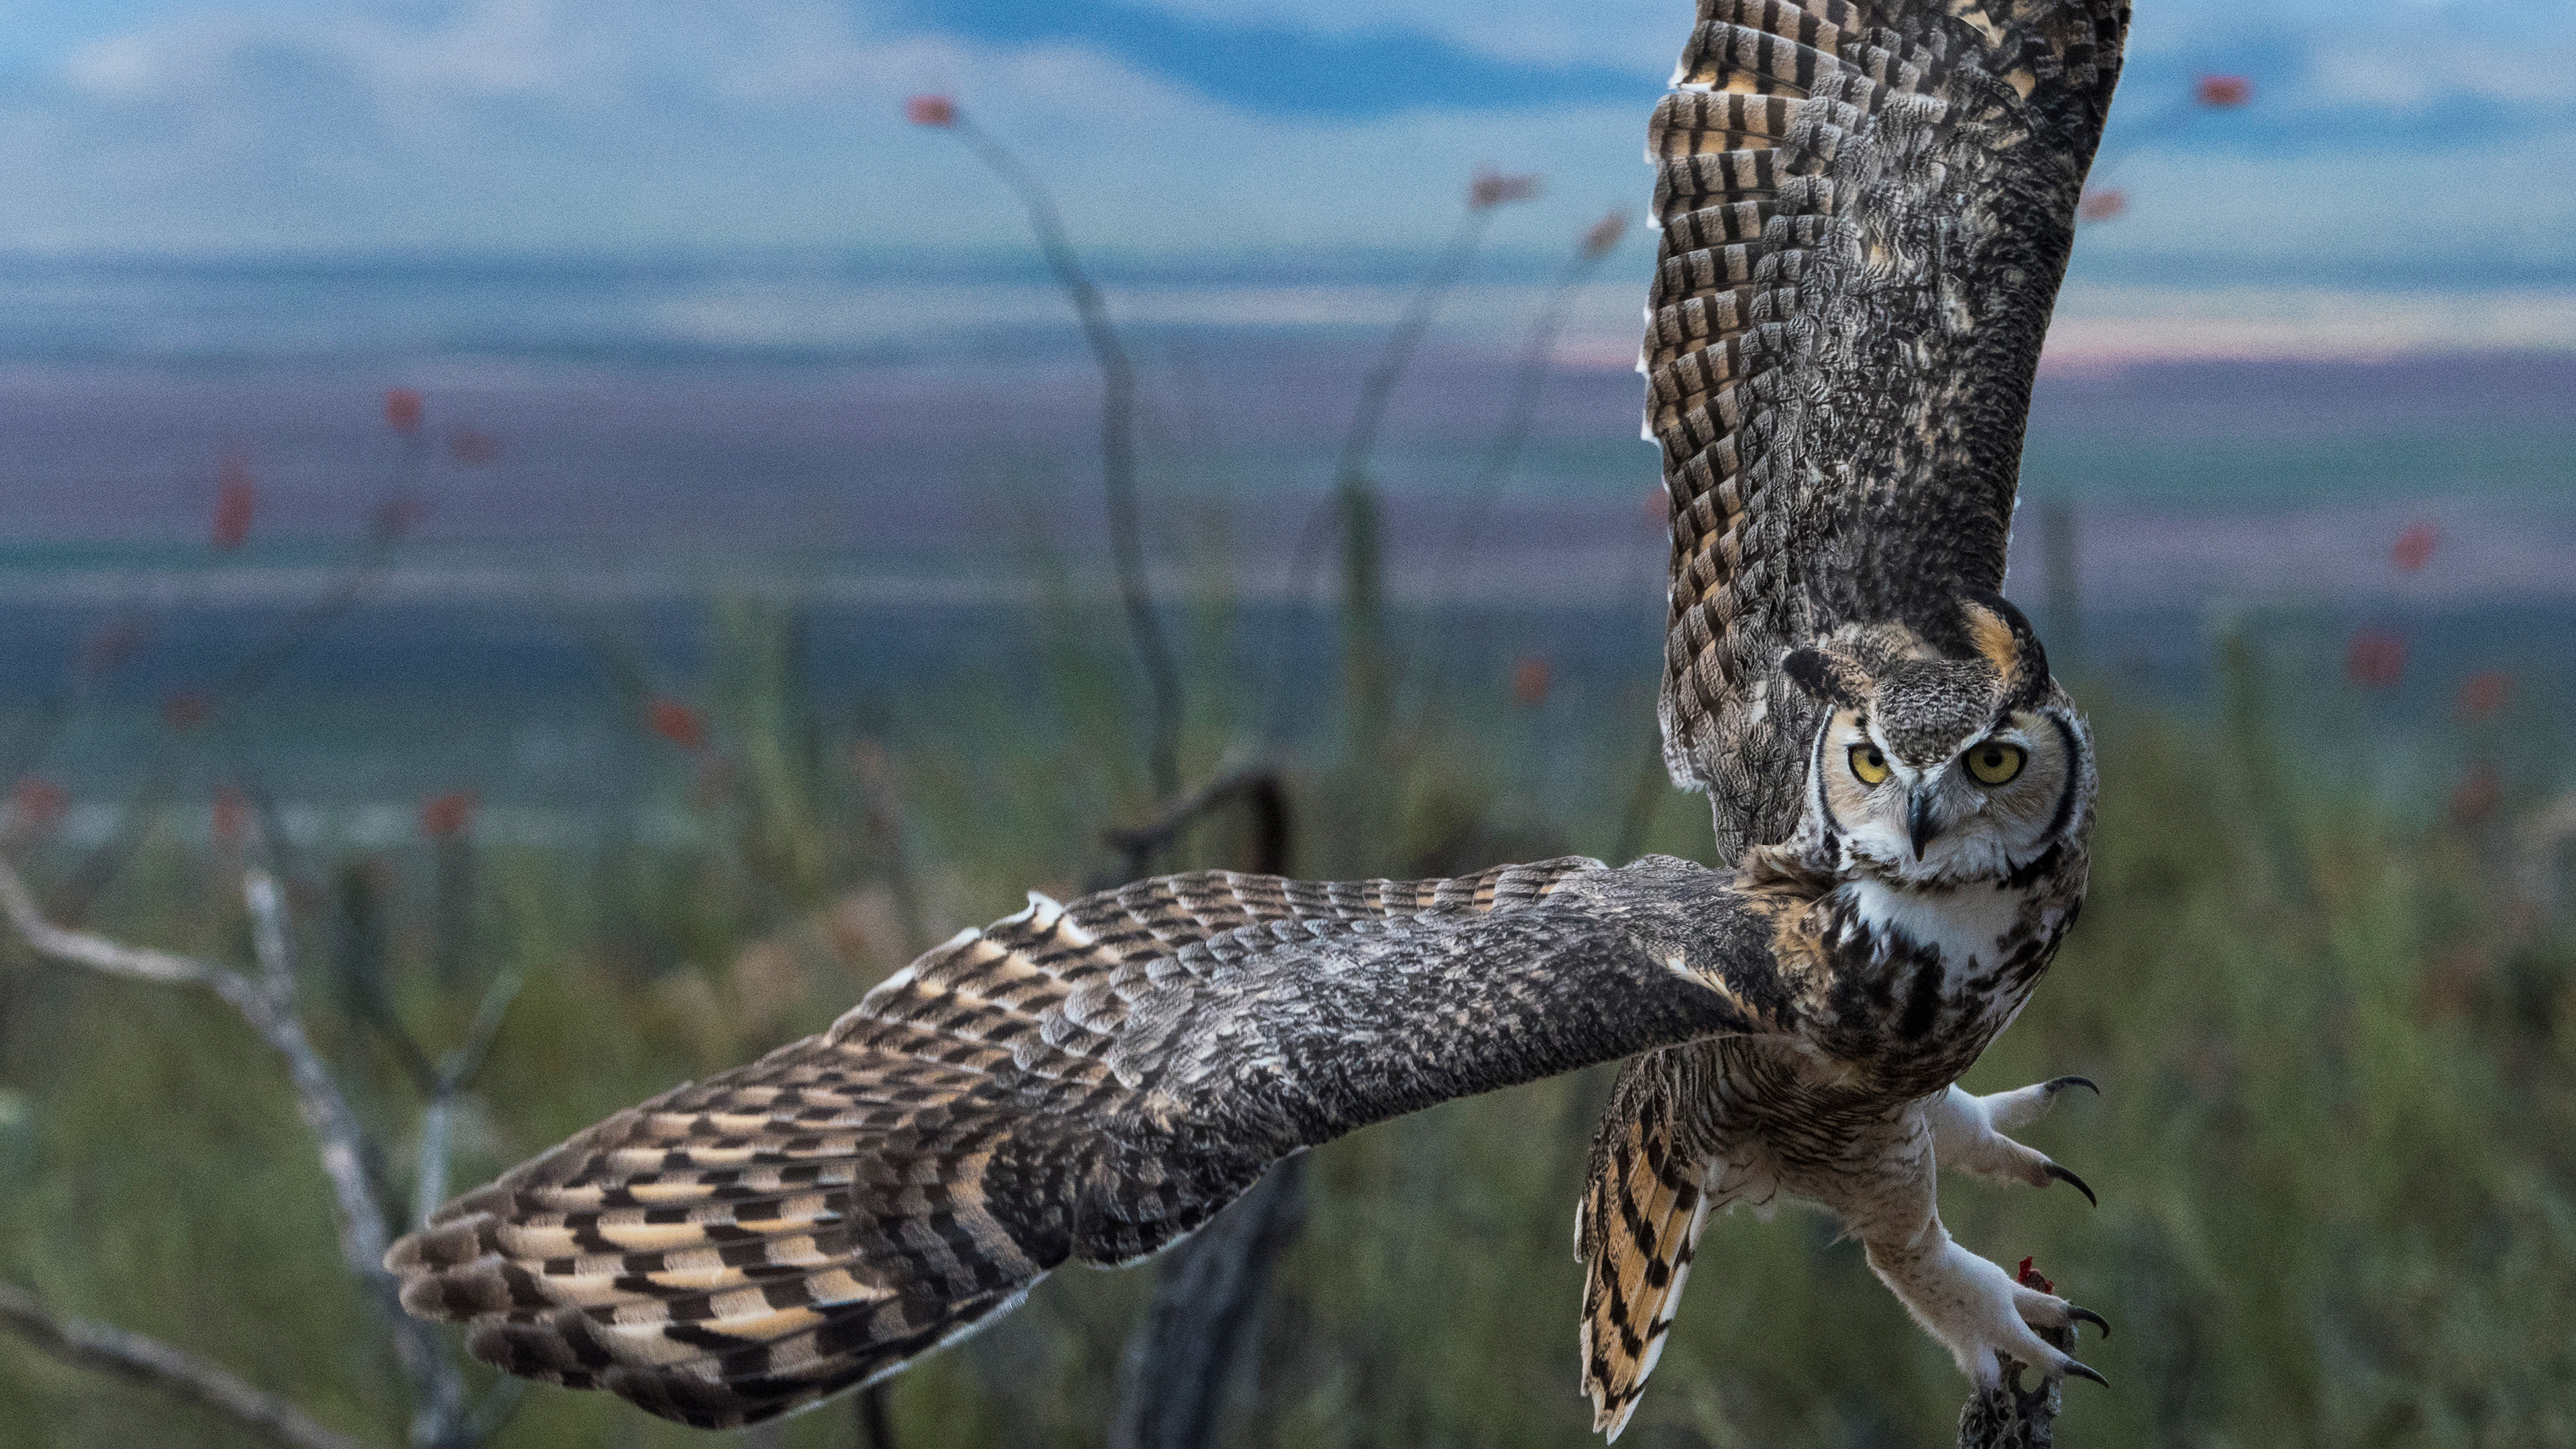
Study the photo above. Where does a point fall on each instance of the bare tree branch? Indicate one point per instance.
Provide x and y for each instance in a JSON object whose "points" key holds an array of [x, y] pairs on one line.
{"points": [[455, 1071], [2008, 1416], [1264, 798], [157, 1365], [1205, 1311], [268, 1005], [79, 948]]}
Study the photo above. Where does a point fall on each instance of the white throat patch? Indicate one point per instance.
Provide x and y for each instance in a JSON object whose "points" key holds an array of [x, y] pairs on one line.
{"points": [[1963, 922]]}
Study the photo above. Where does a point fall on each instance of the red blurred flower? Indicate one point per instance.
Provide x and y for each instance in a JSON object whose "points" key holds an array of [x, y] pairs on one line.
{"points": [[444, 817], [2482, 694], [39, 802], [231, 820], [930, 111], [235, 501], [2102, 204], [1604, 236], [1657, 505], [402, 409], [2375, 659], [1493, 188], [1531, 677], [677, 723], [2028, 1277], [186, 709], [2477, 795], [2223, 92], [2414, 548], [473, 449]]}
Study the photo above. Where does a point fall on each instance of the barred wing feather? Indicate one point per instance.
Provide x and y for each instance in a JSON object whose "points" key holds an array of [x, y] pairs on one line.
{"points": [[1087, 1082], [1866, 209]]}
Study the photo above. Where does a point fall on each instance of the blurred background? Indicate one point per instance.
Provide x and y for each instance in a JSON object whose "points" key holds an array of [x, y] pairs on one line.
{"points": [[607, 503]]}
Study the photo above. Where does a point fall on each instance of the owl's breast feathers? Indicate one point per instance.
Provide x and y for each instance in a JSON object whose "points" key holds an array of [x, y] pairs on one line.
{"points": [[1901, 987], [1913, 984]]}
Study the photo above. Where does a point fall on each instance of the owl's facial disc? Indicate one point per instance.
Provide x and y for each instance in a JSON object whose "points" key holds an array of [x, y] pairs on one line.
{"points": [[1978, 810]]}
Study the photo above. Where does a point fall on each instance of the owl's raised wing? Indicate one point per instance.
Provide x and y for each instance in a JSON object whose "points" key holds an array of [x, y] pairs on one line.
{"points": [[1866, 209], [1087, 1081]]}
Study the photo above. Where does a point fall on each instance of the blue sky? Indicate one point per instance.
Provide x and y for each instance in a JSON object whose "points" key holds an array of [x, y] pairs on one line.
{"points": [[2395, 146]]}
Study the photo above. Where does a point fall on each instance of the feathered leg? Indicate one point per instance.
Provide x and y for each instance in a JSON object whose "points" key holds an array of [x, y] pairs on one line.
{"points": [[1973, 1306]]}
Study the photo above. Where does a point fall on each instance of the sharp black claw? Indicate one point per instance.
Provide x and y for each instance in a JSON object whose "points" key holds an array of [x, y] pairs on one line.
{"points": [[2087, 1315], [2081, 1372], [2062, 1083], [2071, 1180]]}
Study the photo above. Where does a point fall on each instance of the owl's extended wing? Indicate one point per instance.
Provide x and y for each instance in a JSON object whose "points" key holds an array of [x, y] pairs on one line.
{"points": [[1866, 210], [1087, 1081]]}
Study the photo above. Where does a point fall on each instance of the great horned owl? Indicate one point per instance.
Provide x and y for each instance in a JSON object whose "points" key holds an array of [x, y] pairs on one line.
{"points": [[1939, 858], [1866, 209]]}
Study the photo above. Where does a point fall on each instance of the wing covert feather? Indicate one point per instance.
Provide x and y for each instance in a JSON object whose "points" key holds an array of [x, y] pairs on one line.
{"points": [[1087, 1081], [1866, 208]]}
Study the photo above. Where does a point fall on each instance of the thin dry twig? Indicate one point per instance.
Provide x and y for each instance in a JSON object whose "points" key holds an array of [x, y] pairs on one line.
{"points": [[1265, 800], [267, 1003], [1377, 386], [157, 1365], [363, 1235], [1355, 495], [455, 1072], [1117, 438]]}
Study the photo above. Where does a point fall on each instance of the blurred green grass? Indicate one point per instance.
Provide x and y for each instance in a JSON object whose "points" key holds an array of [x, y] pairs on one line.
{"points": [[2334, 1149]]}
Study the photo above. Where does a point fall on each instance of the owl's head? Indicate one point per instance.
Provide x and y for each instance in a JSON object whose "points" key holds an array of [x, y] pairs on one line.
{"points": [[1945, 770]]}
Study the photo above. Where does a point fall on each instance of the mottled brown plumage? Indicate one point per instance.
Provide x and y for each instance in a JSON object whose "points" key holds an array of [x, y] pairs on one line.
{"points": [[1084, 1082], [1866, 210]]}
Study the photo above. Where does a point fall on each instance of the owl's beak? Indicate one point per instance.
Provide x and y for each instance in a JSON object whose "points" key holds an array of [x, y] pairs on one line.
{"points": [[1919, 826]]}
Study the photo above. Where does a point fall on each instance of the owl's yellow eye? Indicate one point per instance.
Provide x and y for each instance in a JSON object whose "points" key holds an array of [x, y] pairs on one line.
{"points": [[1995, 763], [1868, 765]]}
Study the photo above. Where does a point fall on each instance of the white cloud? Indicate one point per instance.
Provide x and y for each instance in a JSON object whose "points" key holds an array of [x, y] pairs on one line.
{"points": [[657, 125], [653, 124], [2114, 326]]}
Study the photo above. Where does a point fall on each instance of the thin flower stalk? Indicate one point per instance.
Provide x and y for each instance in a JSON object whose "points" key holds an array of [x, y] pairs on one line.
{"points": [[1529, 381], [1366, 668], [1117, 425]]}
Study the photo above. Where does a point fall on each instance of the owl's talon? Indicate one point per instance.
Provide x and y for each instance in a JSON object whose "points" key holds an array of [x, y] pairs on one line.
{"points": [[1986, 1317], [2078, 1370], [2060, 1084], [2071, 1180], [1968, 1135]]}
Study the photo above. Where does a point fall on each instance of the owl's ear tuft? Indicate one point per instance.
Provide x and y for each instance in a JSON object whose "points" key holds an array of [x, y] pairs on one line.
{"points": [[1827, 678], [2002, 633]]}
